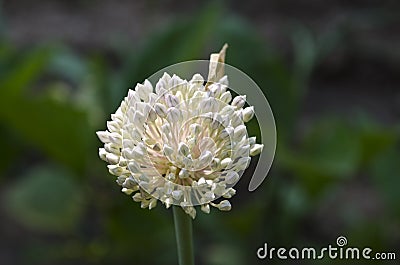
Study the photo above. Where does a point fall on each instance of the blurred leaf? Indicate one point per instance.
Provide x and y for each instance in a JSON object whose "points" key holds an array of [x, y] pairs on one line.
{"points": [[94, 93], [57, 129], [11, 146], [334, 148], [65, 63], [385, 174], [7, 53], [2, 26], [330, 150], [52, 126], [23, 72], [46, 199], [376, 138]]}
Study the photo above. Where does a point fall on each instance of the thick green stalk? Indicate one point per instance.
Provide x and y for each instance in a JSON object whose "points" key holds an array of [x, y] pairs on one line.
{"points": [[184, 236]]}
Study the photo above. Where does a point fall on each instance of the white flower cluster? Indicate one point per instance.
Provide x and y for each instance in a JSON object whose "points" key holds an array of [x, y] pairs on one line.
{"points": [[183, 143]]}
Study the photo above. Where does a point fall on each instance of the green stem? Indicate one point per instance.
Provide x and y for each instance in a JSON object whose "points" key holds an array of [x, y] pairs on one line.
{"points": [[184, 236]]}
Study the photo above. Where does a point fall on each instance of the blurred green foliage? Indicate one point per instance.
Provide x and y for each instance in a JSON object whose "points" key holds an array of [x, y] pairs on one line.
{"points": [[52, 100], [42, 200]]}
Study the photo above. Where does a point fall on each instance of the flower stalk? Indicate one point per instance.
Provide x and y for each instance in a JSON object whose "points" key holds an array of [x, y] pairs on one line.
{"points": [[184, 236]]}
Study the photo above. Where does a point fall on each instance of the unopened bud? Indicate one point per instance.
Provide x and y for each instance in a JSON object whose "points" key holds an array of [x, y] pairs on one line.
{"points": [[224, 205], [256, 149], [231, 177], [174, 115], [171, 100], [248, 113], [205, 208], [239, 101], [161, 110], [239, 132], [103, 136]]}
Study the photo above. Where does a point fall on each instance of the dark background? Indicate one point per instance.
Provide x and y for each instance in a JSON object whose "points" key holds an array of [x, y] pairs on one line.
{"points": [[331, 73]]}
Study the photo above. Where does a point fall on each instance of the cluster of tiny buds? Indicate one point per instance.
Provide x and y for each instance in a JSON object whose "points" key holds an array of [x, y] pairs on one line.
{"points": [[182, 143]]}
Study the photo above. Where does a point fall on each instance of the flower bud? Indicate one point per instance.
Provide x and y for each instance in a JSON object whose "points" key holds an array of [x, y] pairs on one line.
{"points": [[115, 138], [256, 149], [226, 97], [236, 119], [227, 132], [248, 113], [177, 194], [252, 140], [183, 174], [137, 197], [195, 129], [145, 204], [132, 96], [239, 132], [174, 115], [197, 78], [229, 193], [127, 191], [168, 202], [224, 205], [168, 151], [215, 164], [134, 167], [242, 151], [152, 115], [208, 196], [103, 136], [113, 126], [227, 110], [175, 81], [242, 164], [231, 177], [224, 81], [201, 181], [138, 118], [205, 208], [239, 101], [161, 110], [183, 149], [226, 162], [152, 203], [205, 158], [144, 90], [102, 153], [112, 158], [171, 100]]}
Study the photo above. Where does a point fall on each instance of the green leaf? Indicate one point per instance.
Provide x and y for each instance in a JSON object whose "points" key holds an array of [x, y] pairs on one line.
{"points": [[330, 151], [46, 199], [56, 128], [23, 72], [334, 147], [11, 146], [385, 175], [376, 138], [66, 64]]}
